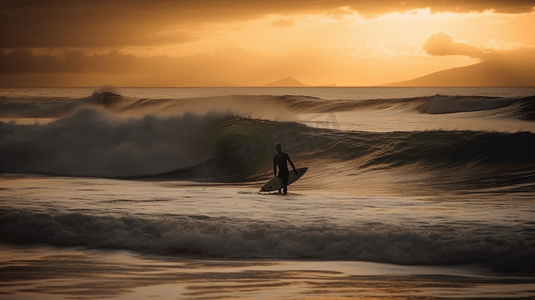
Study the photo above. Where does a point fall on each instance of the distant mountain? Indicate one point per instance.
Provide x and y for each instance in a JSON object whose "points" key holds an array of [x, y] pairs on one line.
{"points": [[286, 82], [512, 71]]}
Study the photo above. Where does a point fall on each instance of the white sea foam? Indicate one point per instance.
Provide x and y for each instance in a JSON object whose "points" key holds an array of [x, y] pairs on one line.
{"points": [[246, 239]]}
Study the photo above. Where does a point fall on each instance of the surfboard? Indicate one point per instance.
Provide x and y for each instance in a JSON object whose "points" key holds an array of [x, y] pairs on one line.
{"points": [[275, 183]]}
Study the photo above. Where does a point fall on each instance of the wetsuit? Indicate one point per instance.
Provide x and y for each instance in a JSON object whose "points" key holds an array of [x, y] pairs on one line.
{"points": [[281, 160]]}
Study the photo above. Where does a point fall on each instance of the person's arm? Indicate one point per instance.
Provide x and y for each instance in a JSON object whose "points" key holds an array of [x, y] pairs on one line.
{"points": [[292, 164], [274, 167]]}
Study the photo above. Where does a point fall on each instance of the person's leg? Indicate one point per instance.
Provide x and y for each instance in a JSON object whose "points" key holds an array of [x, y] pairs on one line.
{"points": [[281, 177], [285, 183]]}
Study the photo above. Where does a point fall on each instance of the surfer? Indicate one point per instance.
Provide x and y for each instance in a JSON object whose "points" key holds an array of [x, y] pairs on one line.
{"points": [[280, 160]]}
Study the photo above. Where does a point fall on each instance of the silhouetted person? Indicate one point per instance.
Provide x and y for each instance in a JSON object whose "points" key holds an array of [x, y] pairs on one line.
{"points": [[281, 160]]}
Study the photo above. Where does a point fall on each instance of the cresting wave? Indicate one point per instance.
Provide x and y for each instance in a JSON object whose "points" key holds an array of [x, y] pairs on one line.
{"points": [[92, 142], [46, 107], [266, 107], [108, 135], [498, 248]]}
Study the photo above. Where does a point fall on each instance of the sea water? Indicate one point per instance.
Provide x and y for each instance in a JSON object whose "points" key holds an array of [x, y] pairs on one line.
{"points": [[142, 192]]}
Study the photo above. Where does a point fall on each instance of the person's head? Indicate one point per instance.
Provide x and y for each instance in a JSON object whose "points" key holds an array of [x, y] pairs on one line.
{"points": [[278, 147]]}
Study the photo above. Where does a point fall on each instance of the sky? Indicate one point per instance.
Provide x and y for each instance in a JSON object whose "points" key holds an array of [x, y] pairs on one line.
{"points": [[253, 43]]}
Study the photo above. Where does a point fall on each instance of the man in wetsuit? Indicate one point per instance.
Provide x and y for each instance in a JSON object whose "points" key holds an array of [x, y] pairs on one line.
{"points": [[281, 160]]}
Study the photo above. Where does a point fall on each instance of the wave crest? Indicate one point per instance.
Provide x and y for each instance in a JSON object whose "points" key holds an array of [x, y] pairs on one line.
{"points": [[220, 238], [258, 106], [92, 142]]}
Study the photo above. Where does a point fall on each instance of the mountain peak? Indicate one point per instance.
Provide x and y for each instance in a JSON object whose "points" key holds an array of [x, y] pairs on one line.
{"points": [[510, 71], [286, 82]]}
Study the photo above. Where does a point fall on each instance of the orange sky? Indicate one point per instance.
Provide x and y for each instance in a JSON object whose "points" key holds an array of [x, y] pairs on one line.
{"points": [[208, 42]]}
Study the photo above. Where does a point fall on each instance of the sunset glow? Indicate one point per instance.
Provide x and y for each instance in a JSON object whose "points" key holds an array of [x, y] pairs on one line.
{"points": [[225, 43], [230, 149]]}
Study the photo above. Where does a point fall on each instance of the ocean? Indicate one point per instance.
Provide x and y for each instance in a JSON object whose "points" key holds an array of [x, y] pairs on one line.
{"points": [[135, 193]]}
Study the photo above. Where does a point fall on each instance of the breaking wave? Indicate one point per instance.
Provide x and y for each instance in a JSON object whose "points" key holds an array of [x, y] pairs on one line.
{"points": [[47, 107], [496, 247], [93, 142], [232, 138], [266, 107]]}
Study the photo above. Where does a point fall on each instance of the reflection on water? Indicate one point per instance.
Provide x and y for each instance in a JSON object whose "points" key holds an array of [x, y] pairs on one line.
{"points": [[66, 273]]}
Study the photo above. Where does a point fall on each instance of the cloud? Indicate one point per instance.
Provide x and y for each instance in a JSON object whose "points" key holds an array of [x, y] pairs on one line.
{"points": [[104, 23], [114, 62], [231, 65], [442, 44], [226, 65], [284, 23]]}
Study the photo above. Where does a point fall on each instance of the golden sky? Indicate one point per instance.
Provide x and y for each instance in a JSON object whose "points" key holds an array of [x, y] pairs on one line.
{"points": [[250, 43]]}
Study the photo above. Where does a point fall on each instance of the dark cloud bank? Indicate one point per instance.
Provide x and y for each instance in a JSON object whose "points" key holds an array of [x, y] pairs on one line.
{"points": [[24, 68], [99, 23]]}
